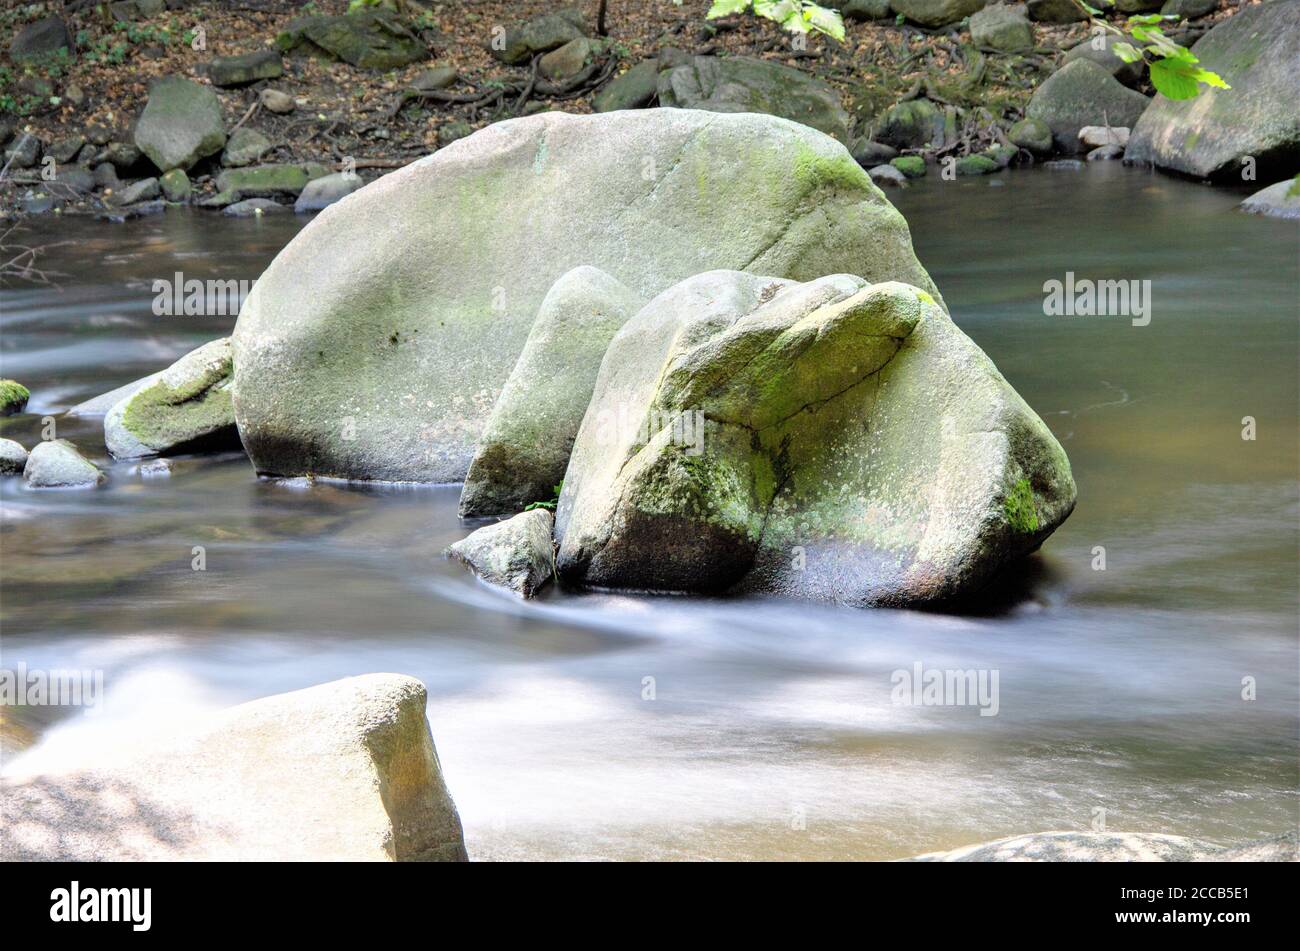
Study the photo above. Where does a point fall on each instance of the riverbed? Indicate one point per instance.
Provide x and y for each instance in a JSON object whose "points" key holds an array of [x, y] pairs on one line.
{"points": [[603, 726]]}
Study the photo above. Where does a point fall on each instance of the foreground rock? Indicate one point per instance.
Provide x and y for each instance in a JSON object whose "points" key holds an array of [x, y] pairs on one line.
{"points": [[1081, 94], [516, 554], [744, 84], [1256, 52], [1114, 847], [181, 124], [13, 457], [186, 408], [346, 771], [525, 447], [383, 358], [1277, 201], [833, 440], [58, 464]]}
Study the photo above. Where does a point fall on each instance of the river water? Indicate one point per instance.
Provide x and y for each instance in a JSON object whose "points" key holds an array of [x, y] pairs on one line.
{"points": [[607, 726]]}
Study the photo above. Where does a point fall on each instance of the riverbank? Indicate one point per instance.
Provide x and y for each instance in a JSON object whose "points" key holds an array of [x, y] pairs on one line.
{"points": [[287, 110]]}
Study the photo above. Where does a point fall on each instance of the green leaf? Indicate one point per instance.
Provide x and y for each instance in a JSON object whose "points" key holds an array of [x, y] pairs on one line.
{"points": [[725, 8], [1178, 79], [824, 21], [1126, 51]]}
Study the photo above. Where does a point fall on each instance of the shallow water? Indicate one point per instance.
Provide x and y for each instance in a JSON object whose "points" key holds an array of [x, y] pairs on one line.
{"points": [[772, 733]]}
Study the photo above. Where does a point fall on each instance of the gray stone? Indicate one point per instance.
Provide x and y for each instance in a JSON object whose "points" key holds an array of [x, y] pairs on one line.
{"points": [[181, 124], [411, 333], [1080, 94], [175, 185], [567, 61], [66, 149], [866, 10], [936, 12], [39, 39], [267, 181], [1105, 153], [121, 155], [744, 84], [277, 101], [1189, 9], [13, 457], [541, 34], [853, 425], [244, 147], [1095, 136], [1064, 165], [186, 408], [1055, 11], [1099, 48], [74, 178], [516, 554], [887, 176], [143, 190], [1002, 27], [869, 154], [57, 464], [453, 132], [369, 39], [23, 151], [1255, 51], [228, 71], [1277, 201], [439, 77], [322, 192], [1031, 134], [345, 771], [524, 449], [37, 201], [252, 207], [917, 124], [105, 176], [634, 89]]}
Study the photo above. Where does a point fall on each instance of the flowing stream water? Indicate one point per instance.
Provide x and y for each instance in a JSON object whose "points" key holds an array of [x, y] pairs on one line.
{"points": [[772, 732]]}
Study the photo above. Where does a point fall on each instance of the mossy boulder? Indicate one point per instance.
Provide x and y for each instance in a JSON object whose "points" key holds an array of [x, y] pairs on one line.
{"points": [[1002, 27], [525, 447], [39, 39], [175, 185], [245, 147], [1080, 94], [632, 90], [186, 409], [181, 123], [267, 181], [1255, 51], [917, 124], [248, 68], [976, 165], [369, 39], [377, 342], [913, 166], [745, 84], [834, 440], [936, 12], [516, 554], [521, 42], [58, 464], [13, 397], [1032, 134]]}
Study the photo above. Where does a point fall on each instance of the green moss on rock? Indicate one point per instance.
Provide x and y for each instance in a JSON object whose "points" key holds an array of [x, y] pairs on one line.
{"points": [[1019, 507], [13, 397]]}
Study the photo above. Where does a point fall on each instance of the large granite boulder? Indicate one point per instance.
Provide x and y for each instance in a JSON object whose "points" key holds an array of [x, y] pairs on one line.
{"points": [[186, 408], [1081, 94], [181, 124], [744, 84], [524, 449], [516, 554], [376, 344], [345, 771], [936, 12], [368, 38], [1256, 51], [835, 440]]}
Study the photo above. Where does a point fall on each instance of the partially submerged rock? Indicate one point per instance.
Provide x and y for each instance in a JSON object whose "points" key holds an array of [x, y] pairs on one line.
{"points": [[833, 440], [383, 358], [345, 771], [1033, 135], [320, 193], [1255, 51], [13, 457], [525, 446], [745, 84], [1277, 201], [13, 397], [516, 554], [181, 124], [188, 407], [58, 464], [1080, 94]]}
